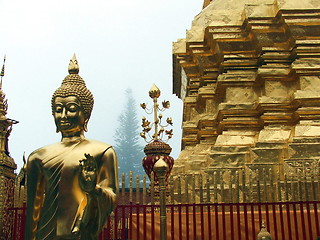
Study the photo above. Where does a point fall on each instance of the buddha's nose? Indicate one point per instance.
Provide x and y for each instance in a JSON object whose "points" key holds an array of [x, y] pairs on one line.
{"points": [[64, 113]]}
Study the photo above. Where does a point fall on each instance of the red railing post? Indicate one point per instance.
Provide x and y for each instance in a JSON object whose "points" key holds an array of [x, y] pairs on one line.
{"points": [[267, 215], [281, 221], [145, 222], [316, 218], [289, 221], [224, 222], [216, 212], [202, 221], [209, 222], [180, 222], [295, 221], [246, 229], [123, 221], [152, 222], [194, 221], [115, 227], [231, 221], [303, 226], [138, 221], [130, 221], [275, 225], [187, 221], [252, 221], [172, 222], [238, 221], [309, 220]]}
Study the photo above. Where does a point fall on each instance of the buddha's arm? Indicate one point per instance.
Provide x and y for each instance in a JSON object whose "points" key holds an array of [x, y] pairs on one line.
{"points": [[108, 183], [35, 186], [99, 179], [101, 190]]}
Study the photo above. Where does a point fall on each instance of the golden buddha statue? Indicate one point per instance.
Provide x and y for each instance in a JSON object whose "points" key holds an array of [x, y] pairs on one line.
{"points": [[71, 184]]}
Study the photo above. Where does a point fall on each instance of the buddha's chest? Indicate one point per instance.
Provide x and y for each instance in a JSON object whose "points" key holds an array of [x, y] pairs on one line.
{"points": [[62, 170]]}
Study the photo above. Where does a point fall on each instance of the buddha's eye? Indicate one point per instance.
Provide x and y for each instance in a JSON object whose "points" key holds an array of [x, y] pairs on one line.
{"points": [[72, 107], [58, 109]]}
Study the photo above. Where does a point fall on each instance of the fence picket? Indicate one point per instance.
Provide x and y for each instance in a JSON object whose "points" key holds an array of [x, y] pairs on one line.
{"points": [[278, 186], [306, 192], [144, 190], [200, 188], [215, 186], [137, 189], [186, 188], [272, 187], [265, 187], [152, 188], [171, 190], [193, 191], [123, 188], [293, 191], [300, 189], [208, 187], [222, 188], [130, 186], [313, 187], [230, 187], [258, 187], [250, 190], [237, 180], [179, 190], [244, 188]]}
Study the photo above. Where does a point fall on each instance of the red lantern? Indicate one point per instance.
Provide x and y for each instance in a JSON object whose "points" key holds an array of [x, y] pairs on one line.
{"points": [[155, 151]]}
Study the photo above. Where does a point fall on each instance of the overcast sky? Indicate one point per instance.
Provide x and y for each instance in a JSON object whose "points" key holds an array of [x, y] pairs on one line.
{"points": [[119, 44]]}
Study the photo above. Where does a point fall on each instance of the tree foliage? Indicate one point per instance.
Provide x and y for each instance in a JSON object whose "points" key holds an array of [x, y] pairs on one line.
{"points": [[127, 140]]}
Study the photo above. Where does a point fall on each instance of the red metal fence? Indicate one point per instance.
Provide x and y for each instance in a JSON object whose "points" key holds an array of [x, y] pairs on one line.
{"points": [[18, 222], [207, 221]]}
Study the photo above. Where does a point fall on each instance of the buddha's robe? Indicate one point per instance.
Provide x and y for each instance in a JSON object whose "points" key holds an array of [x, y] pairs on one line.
{"points": [[54, 194]]}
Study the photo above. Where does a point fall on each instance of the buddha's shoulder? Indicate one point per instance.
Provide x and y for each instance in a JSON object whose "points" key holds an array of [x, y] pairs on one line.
{"points": [[92, 142], [43, 150], [95, 144]]}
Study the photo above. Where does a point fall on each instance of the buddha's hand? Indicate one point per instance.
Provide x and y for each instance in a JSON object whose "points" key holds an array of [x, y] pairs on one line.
{"points": [[88, 173]]}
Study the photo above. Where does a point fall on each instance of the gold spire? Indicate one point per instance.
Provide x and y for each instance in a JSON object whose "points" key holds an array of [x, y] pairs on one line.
{"points": [[2, 71], [73, 65], [206, 3]]}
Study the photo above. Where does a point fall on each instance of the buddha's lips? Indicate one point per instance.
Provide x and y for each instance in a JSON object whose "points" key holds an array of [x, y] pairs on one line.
{"points": [[65, 123]]}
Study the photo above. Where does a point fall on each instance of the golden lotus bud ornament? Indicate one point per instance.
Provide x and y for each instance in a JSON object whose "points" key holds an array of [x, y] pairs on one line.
{"points": [[156, 148]]}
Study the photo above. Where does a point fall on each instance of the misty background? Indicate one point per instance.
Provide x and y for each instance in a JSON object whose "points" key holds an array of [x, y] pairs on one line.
{"points": [[118, 44]]}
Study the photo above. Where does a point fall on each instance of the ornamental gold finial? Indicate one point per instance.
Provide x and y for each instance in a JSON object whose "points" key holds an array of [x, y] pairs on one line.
{"points": [[264, 234], [73, 65], [2, 70], [154, 92], [159, 128]]}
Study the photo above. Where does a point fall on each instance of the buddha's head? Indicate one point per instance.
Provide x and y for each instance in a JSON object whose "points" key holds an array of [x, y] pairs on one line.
{"points": [[72, 103]]}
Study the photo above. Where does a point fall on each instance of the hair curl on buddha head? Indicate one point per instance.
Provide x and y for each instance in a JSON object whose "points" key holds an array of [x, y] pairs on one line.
{"points": [[74, 85]]}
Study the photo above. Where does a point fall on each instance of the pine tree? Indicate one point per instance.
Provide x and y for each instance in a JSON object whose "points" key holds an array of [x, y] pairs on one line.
{"points": [[127, 145]]}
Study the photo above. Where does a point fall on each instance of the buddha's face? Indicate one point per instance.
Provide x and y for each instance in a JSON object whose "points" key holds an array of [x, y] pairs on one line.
{"points": [[69, 115]]}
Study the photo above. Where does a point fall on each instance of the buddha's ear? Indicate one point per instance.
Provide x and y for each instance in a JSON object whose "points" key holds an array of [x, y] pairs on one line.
{"points": [[85, 125], [57, 129]]}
